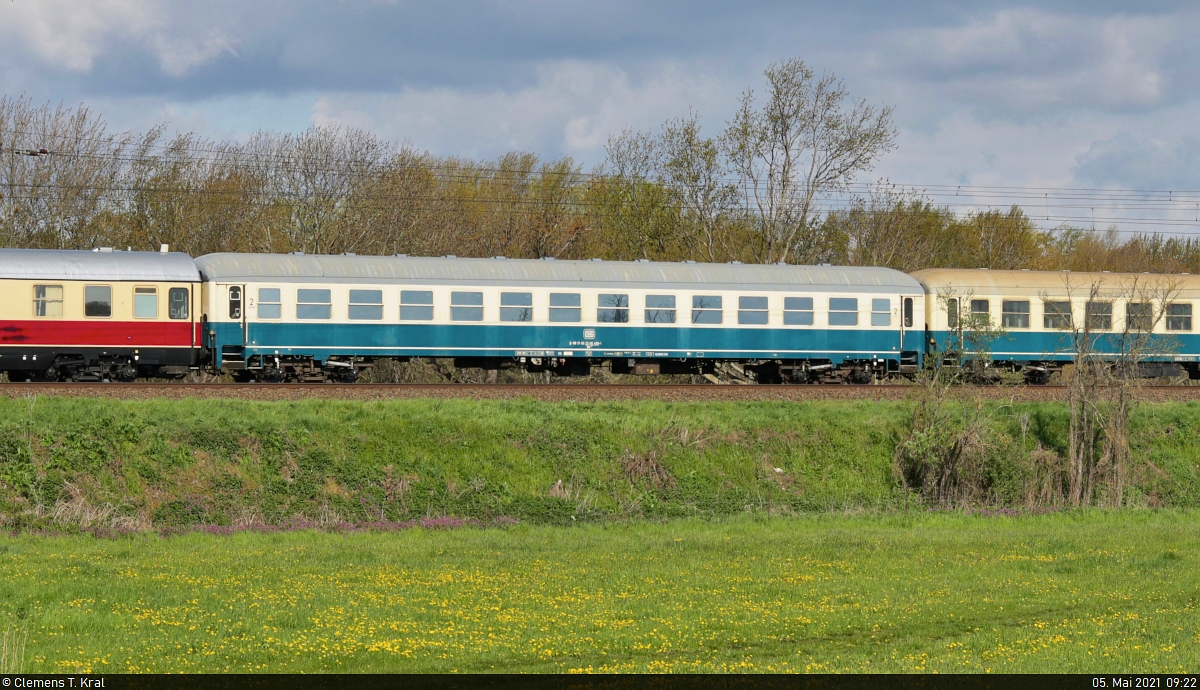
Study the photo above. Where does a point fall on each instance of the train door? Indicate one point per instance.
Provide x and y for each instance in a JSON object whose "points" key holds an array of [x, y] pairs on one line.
{"points": [[909, 359], [237, 313]]}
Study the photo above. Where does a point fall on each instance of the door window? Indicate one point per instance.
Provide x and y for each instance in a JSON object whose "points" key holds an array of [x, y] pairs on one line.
{"points": [[235, 303]]}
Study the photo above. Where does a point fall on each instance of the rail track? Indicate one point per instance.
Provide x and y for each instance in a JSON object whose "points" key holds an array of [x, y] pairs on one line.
{"points": [[549, 392]]}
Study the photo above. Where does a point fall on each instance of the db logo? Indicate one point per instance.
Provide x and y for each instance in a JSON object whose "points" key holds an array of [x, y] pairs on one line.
{"points": [[589, 334]]}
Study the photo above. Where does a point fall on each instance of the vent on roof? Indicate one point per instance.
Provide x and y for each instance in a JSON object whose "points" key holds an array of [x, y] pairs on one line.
{"points": [[1106, 271], [400, 256], [826, 264], [297, 253], [499, 257], [349, 254], [736, 263], [983, 268], [450, 256], [781, 263], [164, 249], [103, 250], [642, 261], [548, 258], [689, 261]]}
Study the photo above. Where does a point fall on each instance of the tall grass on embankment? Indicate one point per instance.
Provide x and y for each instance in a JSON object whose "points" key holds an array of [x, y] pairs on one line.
{"points": [[71, 463]]}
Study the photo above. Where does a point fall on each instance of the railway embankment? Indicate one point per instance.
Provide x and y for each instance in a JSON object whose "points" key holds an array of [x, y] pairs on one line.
{"points": [[82, 463]]}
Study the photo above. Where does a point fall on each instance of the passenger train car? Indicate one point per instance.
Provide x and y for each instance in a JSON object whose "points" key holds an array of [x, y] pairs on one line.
{"points": [[112, 315], [1038, 314], [274, 317], [102, 315]]}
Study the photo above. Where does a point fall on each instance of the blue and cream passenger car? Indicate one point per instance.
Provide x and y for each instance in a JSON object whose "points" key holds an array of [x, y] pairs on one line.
{"points": [[1040, 314], [274, 317]]}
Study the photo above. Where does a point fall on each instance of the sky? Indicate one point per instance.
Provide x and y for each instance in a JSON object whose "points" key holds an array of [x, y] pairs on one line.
{"points": [[1064, 95]]}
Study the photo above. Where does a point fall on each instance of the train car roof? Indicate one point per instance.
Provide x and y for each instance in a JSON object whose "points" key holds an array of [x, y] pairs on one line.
{"points": [[72, 264], [985, 281], [534, 272]]}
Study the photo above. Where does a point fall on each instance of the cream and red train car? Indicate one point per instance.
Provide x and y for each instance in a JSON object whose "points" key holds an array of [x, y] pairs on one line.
{"points": [[99, 315]]}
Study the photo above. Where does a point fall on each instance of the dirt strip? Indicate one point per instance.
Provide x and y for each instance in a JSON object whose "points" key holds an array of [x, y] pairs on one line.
{"points": [[550, 393]]}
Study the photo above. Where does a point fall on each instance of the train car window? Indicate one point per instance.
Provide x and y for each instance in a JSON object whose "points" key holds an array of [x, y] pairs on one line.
{"points": [[952, 313], [1099, 316], [797, 311], [270, 303], [843, 311], [313, 304], [1139, 316], [416, 305], [516, 306], [564, 307], [612, 308], [908, 312], [1179, 316], [97, 301], [660, 308], [177, 303], [235, 302], [1014, 313], [366, 305], [752, 311], [47, 300], [706, 309], [145, 303], [1056, 315], [881, 312], [466, 306], [980, 306]]}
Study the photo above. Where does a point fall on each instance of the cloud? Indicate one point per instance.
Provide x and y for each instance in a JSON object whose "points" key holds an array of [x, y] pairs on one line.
{"points": [[74, 36], [1132, 162], [572, 109], [1029, 60]]}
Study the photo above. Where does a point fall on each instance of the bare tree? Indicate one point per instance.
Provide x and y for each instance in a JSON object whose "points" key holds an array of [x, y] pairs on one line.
{"points": [[693, 167], [803, 142], [1110, 358]]}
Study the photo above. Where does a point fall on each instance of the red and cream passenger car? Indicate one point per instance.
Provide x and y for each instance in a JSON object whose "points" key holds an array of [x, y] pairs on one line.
{"points": [[99, 315]]}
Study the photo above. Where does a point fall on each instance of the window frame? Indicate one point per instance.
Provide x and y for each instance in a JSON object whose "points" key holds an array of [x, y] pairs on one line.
{"points": [[810, 311], [410, 305], [351, 304], [260, 303], [1171, 318], [1132, 313], [1092, 317], [877, 312], [154, 292], [457, 310], [187, 303], [1057, 315], [756, 313], [518, 310], [829, 318], [1007, 315], [566, 308], [328, 305], [45, 301], [86, 315], [659, 309], [701, 311], [618, 310]]}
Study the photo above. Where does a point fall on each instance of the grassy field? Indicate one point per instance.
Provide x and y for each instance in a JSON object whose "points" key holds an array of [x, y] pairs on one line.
{"points": [[152, 464], [1084, 592]]}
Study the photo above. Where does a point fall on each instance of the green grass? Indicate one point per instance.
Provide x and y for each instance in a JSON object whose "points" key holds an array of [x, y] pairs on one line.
{"points": [[84, 463], [1075, 592]]}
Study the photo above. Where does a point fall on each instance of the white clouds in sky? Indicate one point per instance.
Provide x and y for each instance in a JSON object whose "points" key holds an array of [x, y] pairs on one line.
{"points": [[1009, 94]]}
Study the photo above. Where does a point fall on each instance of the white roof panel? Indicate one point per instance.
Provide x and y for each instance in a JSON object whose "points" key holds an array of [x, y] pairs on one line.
{"points": [[532, 272], [71, 264]]}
